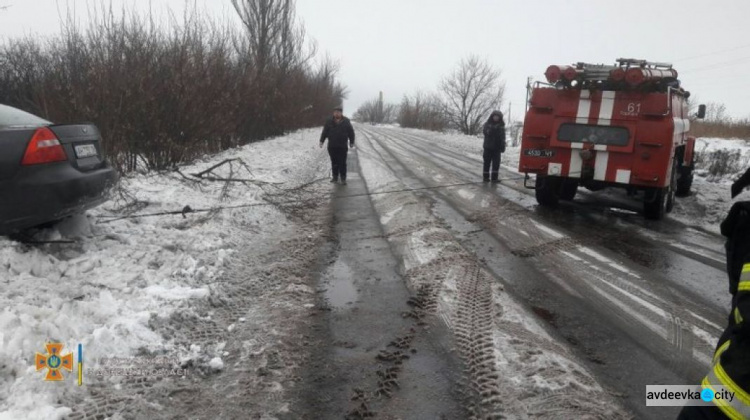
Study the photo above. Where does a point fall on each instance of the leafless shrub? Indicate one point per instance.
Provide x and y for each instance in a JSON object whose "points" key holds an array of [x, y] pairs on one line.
{"points": [[471, 92], [166, 94], [720, 163], [717, 122], [423, 111], [376, 112]]}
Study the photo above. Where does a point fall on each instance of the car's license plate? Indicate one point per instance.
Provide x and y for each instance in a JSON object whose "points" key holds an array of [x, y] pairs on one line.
{"points": [[545, 153], [85, 150]]}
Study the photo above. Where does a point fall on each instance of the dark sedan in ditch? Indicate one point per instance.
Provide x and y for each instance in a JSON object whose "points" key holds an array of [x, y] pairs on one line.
{"points": [[48, 171]]}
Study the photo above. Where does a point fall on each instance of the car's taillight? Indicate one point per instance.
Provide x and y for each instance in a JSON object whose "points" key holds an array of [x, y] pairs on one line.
{"points": [[44, 147]]}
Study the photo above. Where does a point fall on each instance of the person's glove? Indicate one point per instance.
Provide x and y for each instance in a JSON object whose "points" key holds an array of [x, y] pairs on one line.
{"points": [[321, 145]]}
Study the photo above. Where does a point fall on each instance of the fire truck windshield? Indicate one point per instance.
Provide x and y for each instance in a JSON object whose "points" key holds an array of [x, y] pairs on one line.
{"points": [[597, 134]]}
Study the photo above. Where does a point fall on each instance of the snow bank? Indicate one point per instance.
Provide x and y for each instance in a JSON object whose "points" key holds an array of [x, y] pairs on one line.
{"points": [[105, 290], [719, 162]]}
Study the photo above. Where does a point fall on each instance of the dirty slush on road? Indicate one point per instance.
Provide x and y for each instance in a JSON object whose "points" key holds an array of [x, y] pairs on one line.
{"points": [[417, 327], [364, 303]]}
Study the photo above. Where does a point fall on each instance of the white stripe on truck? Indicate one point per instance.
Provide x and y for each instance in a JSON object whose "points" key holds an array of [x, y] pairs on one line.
{"points": [[607, 108], [600, 168], [584, 107], [576, 164], [623, 176]]}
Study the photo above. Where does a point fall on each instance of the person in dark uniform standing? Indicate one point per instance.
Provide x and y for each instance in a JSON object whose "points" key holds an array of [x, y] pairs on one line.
{"points": [[494, 146], [730, 368], [338, 130]]}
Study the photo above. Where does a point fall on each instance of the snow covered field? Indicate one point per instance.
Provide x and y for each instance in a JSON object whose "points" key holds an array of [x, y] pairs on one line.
{"points": [[118, 280]]}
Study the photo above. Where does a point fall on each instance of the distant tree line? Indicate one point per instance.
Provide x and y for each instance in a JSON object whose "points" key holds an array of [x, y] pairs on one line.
{"points": [[462, 101], [375, 111], [425, 111], [164, 94], [719, 124]]}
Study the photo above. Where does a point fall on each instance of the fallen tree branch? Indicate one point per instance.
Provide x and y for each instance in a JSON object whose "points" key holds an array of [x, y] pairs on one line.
{"points": [[200, 174], [250, 181]]}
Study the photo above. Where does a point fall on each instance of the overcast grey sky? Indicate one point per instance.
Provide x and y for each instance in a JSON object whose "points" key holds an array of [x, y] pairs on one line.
{"points": [[399, 46]]}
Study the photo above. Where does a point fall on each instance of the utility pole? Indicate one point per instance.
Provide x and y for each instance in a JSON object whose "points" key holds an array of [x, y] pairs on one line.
{"points": [[528, 91], [510, 120], [380, 117]]}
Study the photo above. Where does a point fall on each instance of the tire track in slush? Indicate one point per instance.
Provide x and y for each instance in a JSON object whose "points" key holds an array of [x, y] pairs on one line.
{"points": [[472, 326], [468, 165], [487, 334], [681, 359], [614, 283], [572, 239]]}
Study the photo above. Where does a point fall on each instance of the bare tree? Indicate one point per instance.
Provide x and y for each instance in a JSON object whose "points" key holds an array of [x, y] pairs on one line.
{"points": [[165, 93], [376, 112], [423, 111], [471, 92], [275, 36], [716, 112]]}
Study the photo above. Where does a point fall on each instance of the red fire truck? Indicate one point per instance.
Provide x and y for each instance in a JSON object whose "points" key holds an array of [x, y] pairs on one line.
{"points": [[599, 126]]}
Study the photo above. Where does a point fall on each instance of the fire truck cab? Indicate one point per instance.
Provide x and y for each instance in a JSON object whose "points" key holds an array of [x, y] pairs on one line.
{"points": [[599, 126]]}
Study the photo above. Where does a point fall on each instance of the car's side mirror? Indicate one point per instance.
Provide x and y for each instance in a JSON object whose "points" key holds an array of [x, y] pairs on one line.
{"points": [[701, 112]]}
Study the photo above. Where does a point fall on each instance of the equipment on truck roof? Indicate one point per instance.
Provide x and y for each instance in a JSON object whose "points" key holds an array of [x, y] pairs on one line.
{"points": [[627, 74]]}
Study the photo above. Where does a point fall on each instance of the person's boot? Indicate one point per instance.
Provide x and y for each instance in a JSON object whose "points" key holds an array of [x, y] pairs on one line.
{"points": [[495, 180], [343, 181], [485, 180], [334, 179]]}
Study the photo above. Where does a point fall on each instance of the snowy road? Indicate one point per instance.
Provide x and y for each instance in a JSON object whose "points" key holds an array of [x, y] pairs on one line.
{"points": [[636, 303], [414, 292]]}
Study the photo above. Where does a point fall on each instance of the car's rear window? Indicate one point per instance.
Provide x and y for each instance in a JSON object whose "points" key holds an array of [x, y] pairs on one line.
{"points": [[12, 117], [597, 134]]}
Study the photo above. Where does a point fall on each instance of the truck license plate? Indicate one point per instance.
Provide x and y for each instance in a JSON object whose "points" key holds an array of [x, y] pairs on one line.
{"points": [[545, 153], [85, 150]]}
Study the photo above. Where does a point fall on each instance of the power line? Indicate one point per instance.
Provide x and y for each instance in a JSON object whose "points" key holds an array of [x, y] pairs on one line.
{"points": [[187, 209], [717, 66], [711, 53]]}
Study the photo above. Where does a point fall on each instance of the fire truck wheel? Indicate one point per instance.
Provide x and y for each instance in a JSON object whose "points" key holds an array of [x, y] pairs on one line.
{"points": [[672, 189], [547, 190], [569, 189], [660, 201], [655, 203], [684, 181]]}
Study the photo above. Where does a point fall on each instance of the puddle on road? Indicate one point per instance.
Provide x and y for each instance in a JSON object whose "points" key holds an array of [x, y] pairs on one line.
{"points": [[546, 315], [341, 292]]}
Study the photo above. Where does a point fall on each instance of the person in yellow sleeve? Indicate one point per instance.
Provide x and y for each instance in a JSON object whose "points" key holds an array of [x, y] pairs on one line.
{"points": [[731, 363]]}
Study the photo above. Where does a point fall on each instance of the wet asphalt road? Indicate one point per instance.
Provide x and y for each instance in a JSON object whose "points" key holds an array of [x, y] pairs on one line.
{"points": [[639, 302], [367, 299]]}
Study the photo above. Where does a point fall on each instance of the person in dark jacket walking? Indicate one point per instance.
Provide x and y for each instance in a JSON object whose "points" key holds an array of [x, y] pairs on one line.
{"points": [[494, 146], [338, 130], [730, 369]]}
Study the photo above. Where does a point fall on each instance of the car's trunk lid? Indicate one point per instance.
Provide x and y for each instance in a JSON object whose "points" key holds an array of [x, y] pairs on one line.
{"points": [[82, 143]]}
